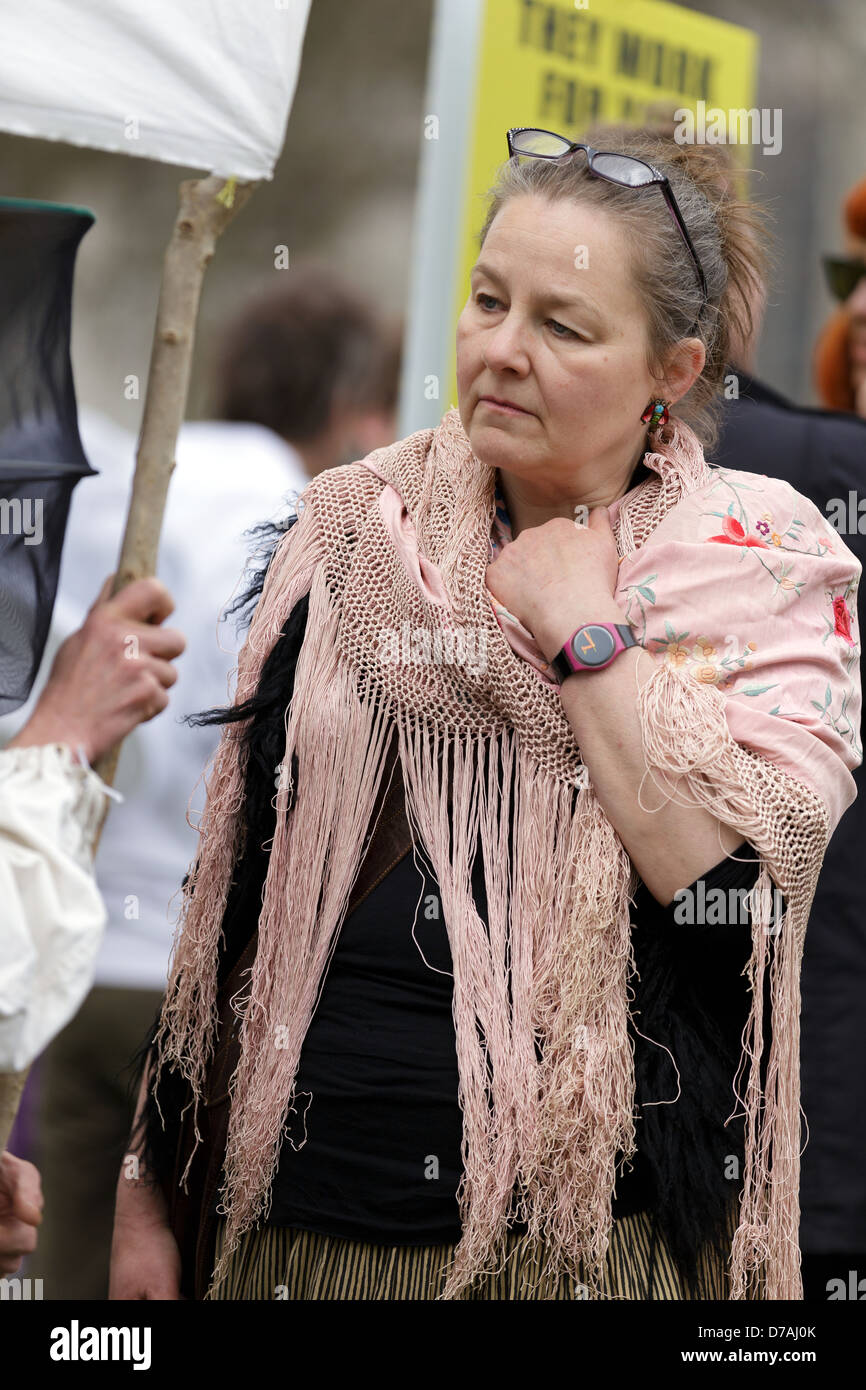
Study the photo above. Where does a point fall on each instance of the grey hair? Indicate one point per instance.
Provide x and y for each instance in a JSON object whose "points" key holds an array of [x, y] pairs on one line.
{"points": [[729, 235]]}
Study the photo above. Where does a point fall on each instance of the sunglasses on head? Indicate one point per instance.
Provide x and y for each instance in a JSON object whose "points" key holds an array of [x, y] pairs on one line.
{"points": [[843, 274], [623, 169]]}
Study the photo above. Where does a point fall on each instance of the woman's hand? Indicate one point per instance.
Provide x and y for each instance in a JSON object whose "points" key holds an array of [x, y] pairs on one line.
{"points": [[556, 576], [145, 1259], [110, 675], [20, 1211]]}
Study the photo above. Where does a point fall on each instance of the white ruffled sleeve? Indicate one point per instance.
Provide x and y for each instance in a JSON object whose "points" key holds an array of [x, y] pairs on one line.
{"points": [[52, 916]]}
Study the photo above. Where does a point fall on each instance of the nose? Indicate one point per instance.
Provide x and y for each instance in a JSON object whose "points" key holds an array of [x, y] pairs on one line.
{"points": [[506, 345]]}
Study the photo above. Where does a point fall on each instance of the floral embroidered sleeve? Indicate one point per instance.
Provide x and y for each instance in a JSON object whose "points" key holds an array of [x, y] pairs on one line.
{"points": [[766, 596]]}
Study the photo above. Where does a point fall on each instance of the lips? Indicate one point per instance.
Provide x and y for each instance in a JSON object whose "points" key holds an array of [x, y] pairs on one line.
{"points": [[505, 404]]}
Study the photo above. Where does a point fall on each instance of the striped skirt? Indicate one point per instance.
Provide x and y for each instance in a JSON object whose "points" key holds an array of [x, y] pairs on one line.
{"points": [[283, 1262]]}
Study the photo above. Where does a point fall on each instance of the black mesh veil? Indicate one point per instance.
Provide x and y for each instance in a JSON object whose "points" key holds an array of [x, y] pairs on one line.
{"points": [[41, 455]]}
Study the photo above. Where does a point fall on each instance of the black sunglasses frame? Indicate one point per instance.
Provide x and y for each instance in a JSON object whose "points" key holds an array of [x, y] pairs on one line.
{"points": [[659, 180], [838, 269]]}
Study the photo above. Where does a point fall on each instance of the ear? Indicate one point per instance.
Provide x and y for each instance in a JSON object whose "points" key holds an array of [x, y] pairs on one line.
{"points": [[685, 365]]}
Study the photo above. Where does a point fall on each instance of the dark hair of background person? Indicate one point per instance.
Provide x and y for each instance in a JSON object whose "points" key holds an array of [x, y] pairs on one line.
{"points": [[302, 350]]}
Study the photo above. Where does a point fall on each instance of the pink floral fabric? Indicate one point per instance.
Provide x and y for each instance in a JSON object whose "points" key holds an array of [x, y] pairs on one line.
{"points": [[744, 586]]}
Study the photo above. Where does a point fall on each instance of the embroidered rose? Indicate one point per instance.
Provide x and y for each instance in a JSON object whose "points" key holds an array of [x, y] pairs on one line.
{"points": [[709, 669], [735, 535], [676, 654], [843, 620], [708, 675]]}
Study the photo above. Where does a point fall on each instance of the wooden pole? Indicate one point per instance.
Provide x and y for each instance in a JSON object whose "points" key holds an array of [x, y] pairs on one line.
{"points": [[206, 206]]}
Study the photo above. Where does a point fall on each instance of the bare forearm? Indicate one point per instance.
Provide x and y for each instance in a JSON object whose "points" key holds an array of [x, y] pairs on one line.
{"points": [[669, 847], [139, 1196], [145, 1258]]}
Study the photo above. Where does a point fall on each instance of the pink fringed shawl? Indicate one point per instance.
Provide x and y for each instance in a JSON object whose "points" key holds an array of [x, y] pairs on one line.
{"points": [[744, 599]]}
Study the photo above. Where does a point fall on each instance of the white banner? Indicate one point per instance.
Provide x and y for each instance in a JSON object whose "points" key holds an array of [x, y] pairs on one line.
{"points": [[203, 83]]}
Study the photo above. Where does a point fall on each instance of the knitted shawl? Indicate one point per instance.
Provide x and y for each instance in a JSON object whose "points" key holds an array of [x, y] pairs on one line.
{"points": [[759, 725]]}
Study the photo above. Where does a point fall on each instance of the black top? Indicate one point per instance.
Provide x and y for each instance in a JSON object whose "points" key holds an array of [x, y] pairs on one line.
{"points": [[381, 1161]]}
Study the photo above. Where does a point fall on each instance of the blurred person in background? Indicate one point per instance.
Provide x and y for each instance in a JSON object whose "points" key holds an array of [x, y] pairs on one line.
{"points": [[310, 363], [840, 355], [305, 379], [51, 805]]}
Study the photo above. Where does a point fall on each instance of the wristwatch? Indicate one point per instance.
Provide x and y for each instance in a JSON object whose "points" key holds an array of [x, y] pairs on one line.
{"points": [[592, 647]]}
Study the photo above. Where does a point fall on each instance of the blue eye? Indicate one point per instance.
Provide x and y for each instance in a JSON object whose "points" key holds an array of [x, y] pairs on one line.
{"points": [[566, 332]]}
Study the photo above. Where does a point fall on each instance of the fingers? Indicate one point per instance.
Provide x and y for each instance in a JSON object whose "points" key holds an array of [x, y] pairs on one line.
{"points": [[156, 680], [104, 593], [144, 696], [27, 1199], [112, 674], [145, 603], [164, 642], [147, 600], [22, 1211], [17, 1239], [21, 1188], [129, 624], [136, 612]]}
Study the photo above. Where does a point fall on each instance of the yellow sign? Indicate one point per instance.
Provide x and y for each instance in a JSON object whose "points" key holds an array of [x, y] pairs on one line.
{"points": [[565, 66]]}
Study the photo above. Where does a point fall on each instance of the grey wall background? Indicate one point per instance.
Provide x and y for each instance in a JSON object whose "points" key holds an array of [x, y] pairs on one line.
{"points": [[344, 189]]}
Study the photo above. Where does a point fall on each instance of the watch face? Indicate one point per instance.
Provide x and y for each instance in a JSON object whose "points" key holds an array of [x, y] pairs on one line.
{"points": [[592, 645]]}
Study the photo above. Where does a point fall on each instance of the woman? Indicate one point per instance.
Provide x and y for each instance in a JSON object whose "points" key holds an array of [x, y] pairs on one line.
{"points": [[438, 648], [839, 359]]}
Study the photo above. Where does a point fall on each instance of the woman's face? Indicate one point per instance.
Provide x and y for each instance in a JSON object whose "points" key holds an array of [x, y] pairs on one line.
{"points": [[554, 325]]}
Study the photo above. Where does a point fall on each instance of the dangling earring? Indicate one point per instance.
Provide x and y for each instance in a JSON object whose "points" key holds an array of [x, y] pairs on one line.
{"points": [[656, 414]]}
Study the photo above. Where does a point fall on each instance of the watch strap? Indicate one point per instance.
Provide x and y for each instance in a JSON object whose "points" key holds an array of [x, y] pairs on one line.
{"points": [[567, 661]]}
